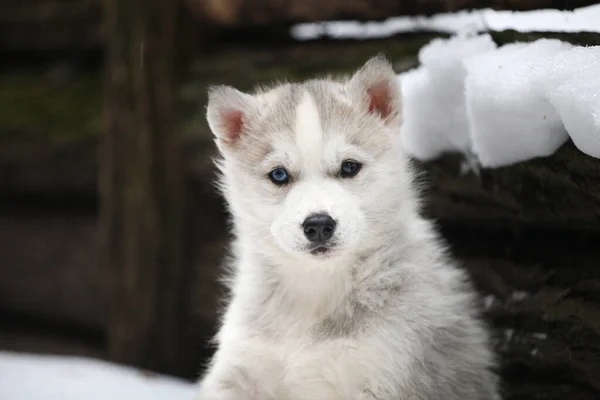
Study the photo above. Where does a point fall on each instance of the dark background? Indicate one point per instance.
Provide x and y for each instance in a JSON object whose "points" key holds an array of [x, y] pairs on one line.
{"points": [[111, 233]]}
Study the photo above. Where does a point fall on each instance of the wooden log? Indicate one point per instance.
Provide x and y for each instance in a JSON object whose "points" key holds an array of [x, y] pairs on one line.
{"points": [[540, 291], [561, 191], [48, 261], [141, 187]]}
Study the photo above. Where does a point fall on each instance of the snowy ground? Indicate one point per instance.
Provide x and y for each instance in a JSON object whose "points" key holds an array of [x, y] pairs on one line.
{"points": [[41, 377]]}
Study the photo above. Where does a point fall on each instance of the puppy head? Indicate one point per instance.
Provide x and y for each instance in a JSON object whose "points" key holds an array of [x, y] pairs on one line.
{"points": [[312, 170]]}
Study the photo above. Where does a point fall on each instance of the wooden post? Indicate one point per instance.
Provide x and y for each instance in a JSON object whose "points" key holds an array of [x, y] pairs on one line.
{"points": [[141, 185]]}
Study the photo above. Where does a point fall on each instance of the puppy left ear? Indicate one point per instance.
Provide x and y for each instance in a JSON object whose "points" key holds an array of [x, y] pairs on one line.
{"points": [[377, 88]]}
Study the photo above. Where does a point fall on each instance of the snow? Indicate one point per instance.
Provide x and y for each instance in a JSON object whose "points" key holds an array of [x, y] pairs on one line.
{"points": [[44, 377], [501, 105], [440, 85], [584, 19], [574, 91], [511, 120]]}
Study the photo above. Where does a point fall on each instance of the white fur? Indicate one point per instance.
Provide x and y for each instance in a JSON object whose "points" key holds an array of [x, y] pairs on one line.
{"points": [[309, 133], [384, 315]]}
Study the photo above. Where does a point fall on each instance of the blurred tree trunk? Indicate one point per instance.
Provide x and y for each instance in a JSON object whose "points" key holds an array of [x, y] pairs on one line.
{"points": [[141, 185]]}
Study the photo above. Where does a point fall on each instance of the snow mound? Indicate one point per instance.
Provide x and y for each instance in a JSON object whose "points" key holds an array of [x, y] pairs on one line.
{"points": [[501, 105], [41, 377], [439, 83]]}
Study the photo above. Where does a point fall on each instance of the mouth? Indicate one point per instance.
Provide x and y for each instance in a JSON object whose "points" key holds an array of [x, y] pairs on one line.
{"points": [[320, 251]]}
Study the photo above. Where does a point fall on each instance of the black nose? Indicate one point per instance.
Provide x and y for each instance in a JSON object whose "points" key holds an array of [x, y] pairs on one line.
{"points": [[318, 227]]}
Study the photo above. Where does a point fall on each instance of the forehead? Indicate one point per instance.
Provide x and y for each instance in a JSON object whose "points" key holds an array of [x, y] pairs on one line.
{"points": [[322, 100], [307, 118]]}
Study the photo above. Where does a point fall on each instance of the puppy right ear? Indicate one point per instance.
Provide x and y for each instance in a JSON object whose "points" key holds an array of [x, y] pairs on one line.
{"points": [[228, 112]]}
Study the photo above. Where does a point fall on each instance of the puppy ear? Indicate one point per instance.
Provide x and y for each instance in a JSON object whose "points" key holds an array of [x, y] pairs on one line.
{"points": [[228, 112], [376, 87]]}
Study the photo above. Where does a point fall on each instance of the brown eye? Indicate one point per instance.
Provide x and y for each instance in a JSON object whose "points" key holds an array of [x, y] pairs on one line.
{"points": [[350, 169]]}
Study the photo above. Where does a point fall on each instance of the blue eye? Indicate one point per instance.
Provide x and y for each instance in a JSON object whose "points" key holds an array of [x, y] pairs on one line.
{"points": [[279, 176], [349, 169]]}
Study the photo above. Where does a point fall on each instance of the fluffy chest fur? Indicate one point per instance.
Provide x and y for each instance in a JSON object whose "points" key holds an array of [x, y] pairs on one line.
{"points": [[323, 333], [314, 303]]}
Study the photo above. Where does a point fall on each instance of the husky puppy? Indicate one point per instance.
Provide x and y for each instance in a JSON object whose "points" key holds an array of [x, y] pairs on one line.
{"points": [[340, 290]]}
